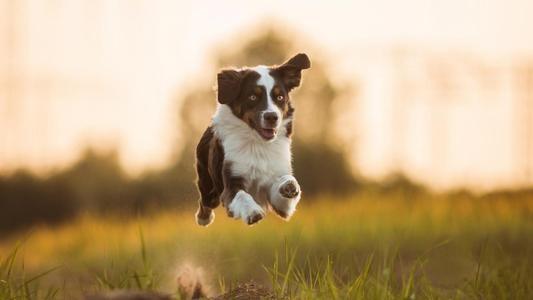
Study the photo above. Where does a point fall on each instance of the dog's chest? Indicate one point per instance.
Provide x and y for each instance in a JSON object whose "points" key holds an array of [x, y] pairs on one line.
{"points": [[256, 161]]}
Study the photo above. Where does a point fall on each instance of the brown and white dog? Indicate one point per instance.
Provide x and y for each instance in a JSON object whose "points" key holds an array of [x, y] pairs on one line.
{"points": [[244, 157]]}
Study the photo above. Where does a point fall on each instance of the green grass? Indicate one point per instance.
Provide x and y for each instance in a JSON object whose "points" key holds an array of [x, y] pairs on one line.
{"points": [[388, 278], [367, 247], [16, 284]]}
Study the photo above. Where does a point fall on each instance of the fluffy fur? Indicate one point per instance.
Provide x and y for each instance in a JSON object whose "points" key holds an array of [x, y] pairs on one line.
{"points": [[244, 157]]}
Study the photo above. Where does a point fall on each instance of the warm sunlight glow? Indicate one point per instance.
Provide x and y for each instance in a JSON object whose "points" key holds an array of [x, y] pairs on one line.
{"points": [[444, 88]]}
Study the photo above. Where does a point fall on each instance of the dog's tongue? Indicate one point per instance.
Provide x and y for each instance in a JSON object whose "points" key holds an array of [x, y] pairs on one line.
{"points": [[268, 133]]}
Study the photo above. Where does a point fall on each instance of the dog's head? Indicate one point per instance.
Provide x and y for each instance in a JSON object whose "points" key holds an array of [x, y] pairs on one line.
{"points": [[259, 96]]}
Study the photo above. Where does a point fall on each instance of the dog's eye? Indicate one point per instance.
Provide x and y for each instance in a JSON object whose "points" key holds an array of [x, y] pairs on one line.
{"points": [[280, 98], [252, 97]]}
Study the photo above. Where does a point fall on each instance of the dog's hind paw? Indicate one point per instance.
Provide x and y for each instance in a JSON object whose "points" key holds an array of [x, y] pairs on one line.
{"points": [[204, 217]]}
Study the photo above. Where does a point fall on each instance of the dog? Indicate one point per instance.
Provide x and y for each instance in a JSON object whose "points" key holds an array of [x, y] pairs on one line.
{"points": [[244, 157]]}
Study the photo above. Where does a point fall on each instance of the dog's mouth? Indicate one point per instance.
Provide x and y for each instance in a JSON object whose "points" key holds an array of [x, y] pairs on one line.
{"points": [[267, 133]]}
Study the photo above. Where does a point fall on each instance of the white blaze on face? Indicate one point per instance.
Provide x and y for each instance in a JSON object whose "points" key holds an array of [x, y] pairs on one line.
{"points": [[268, 82]]}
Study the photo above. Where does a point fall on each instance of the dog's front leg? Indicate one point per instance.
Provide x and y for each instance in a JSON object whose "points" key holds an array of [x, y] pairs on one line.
{"points": [[285, 194], [239, 203]]}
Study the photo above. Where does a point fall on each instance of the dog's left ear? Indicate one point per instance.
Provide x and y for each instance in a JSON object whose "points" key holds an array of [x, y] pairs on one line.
{"points": [[291, 70]]}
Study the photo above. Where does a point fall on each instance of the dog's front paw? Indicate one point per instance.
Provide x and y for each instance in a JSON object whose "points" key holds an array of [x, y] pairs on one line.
{"points": [[255, 217], [286, 194], [290, 189], [244, 207]]}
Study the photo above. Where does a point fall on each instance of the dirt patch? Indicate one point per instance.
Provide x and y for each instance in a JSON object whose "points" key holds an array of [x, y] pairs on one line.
{"points": [[247, 291], [243, 291], [128, 295]]}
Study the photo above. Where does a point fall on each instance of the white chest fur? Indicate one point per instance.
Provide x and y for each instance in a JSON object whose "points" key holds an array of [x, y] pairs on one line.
{"points": [[258, 161]]}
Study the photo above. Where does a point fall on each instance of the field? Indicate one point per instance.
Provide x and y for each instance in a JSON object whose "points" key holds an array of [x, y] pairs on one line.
{"points": [[366, 246]]}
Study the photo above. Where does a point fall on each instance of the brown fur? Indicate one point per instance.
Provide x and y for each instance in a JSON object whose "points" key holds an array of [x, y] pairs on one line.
{"points": [[209, 161], [235, 87]]}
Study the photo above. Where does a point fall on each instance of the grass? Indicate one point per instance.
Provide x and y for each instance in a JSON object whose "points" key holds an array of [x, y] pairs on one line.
{"points": [[19, 286], [368, 246]]}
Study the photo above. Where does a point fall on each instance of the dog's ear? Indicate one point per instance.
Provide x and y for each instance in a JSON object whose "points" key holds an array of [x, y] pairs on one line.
{"points": [[291, 71], [228, 85]]}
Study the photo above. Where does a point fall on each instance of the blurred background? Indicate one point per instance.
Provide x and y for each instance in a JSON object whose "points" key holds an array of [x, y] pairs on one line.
{"points": [[102, 102]]}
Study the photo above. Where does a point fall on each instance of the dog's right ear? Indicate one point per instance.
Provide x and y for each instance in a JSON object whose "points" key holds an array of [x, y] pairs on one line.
{"points": [[228, 85]]}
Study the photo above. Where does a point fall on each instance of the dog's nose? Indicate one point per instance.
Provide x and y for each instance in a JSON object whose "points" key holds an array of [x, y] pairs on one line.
{"points": [[271, 117]]}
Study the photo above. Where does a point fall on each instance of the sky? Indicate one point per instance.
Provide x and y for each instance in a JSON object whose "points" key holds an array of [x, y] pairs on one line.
{"points": [[108, 72]]}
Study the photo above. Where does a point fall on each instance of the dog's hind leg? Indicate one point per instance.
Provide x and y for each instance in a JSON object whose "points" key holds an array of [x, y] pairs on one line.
{"points": [[208, 194], [208, 199]]}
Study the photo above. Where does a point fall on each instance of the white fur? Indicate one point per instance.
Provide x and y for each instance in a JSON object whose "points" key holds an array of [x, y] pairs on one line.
{"points": [[268, 82], [261, 163], [265, 165], [287, 205], [258, 161], [244, 207]]}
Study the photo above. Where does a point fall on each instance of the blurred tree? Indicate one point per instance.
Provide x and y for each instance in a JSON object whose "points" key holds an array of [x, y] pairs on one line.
{"points": [[320, 161], [26, 199], [98, 181]]}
